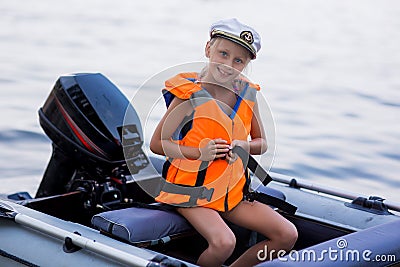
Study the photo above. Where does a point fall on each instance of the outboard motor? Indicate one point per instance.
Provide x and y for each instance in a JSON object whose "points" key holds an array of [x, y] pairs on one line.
{"points": [[90, 123]]}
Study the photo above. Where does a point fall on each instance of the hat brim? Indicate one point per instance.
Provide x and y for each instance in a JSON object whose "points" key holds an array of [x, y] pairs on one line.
{"points": [[236, 40]]}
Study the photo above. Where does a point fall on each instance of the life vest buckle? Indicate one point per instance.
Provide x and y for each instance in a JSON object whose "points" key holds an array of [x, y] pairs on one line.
{"points": [[206, 193], [250, 196]]}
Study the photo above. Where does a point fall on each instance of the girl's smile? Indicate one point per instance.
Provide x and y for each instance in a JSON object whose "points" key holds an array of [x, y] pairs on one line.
{"points": [[227, 60]]}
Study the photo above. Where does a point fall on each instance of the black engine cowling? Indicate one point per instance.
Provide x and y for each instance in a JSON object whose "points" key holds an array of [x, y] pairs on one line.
{"points": [[95, 131]]}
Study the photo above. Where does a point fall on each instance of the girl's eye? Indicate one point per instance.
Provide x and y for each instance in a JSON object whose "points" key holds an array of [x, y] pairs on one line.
{"points": [[238, 60], [223, 53]]}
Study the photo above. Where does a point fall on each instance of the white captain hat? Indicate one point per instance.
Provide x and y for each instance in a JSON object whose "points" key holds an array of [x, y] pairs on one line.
{"points": [[237, 32]]}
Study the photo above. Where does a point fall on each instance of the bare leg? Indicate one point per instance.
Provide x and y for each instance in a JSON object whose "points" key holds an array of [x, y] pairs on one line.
{"points": [[259, 217], [220, 238]]}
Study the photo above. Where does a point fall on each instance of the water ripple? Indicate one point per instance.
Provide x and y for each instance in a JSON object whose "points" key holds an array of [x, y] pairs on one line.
{"points": [[18, 136], [391, 155], [377, 100]]}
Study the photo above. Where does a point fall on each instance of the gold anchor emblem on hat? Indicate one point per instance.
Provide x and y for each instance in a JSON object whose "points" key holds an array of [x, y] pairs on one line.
{"points": [[247, 36]]}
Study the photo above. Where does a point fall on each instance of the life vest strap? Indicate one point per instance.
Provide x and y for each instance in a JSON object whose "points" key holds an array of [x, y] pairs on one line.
{"points": [[258, 171], [195, 193], [271, 200], [198, 191], [252, 164]]}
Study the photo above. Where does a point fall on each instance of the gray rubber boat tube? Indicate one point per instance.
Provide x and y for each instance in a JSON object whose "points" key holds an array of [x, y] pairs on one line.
{"points": [[77, 240]]}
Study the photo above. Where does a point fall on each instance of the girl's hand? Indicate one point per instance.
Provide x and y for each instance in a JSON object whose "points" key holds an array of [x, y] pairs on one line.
{"points": [[243, 144], [214, 149], [232, 157]]}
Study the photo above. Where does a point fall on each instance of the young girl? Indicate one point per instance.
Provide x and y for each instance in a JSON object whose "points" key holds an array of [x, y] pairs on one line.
{"points": [[208, 114]]}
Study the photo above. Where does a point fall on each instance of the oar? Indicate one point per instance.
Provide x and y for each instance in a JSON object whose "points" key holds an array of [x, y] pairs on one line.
{"points": [[8, 212], [298, 183]]}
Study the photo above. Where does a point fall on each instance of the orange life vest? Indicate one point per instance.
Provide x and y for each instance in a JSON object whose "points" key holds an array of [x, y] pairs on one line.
{"points": [[208, 121]]}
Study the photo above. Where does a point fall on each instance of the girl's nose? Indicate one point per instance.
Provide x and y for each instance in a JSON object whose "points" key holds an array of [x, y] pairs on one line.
{"points": [[229, 63]]}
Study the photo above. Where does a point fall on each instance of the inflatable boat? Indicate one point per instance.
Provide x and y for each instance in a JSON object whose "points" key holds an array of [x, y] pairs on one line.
{"points": [[95, 204]]}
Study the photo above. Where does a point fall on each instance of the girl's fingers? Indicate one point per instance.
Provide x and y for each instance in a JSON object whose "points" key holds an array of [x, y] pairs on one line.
{"points": [[231, 157], [217, 148], [220, 155], [222, 148], [219, 141]]}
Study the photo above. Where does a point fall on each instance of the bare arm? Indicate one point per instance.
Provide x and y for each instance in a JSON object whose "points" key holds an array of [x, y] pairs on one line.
{"points": [[161, 140], [258, 143]]}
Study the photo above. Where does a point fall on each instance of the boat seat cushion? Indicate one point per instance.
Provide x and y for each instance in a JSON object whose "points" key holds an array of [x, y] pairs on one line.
{"points": [[141, 225], [150, 225]]}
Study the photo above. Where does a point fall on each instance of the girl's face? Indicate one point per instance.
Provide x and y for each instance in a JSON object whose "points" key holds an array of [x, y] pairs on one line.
{"points": [[227, 59]]}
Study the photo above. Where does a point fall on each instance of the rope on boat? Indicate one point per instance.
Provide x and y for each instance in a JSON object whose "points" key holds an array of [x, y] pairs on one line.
{"points": [[17, 259]]}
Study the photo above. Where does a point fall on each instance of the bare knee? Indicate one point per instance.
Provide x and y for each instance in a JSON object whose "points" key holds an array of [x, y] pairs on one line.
{"points": [[291, 236], [287, 236], [222, 244]]}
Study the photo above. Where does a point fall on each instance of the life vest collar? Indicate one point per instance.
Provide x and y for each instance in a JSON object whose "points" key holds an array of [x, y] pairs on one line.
{"points": [[183, 85]]}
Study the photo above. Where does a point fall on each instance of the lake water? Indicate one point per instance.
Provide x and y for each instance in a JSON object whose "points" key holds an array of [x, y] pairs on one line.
{"points": [[329, 71]]}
